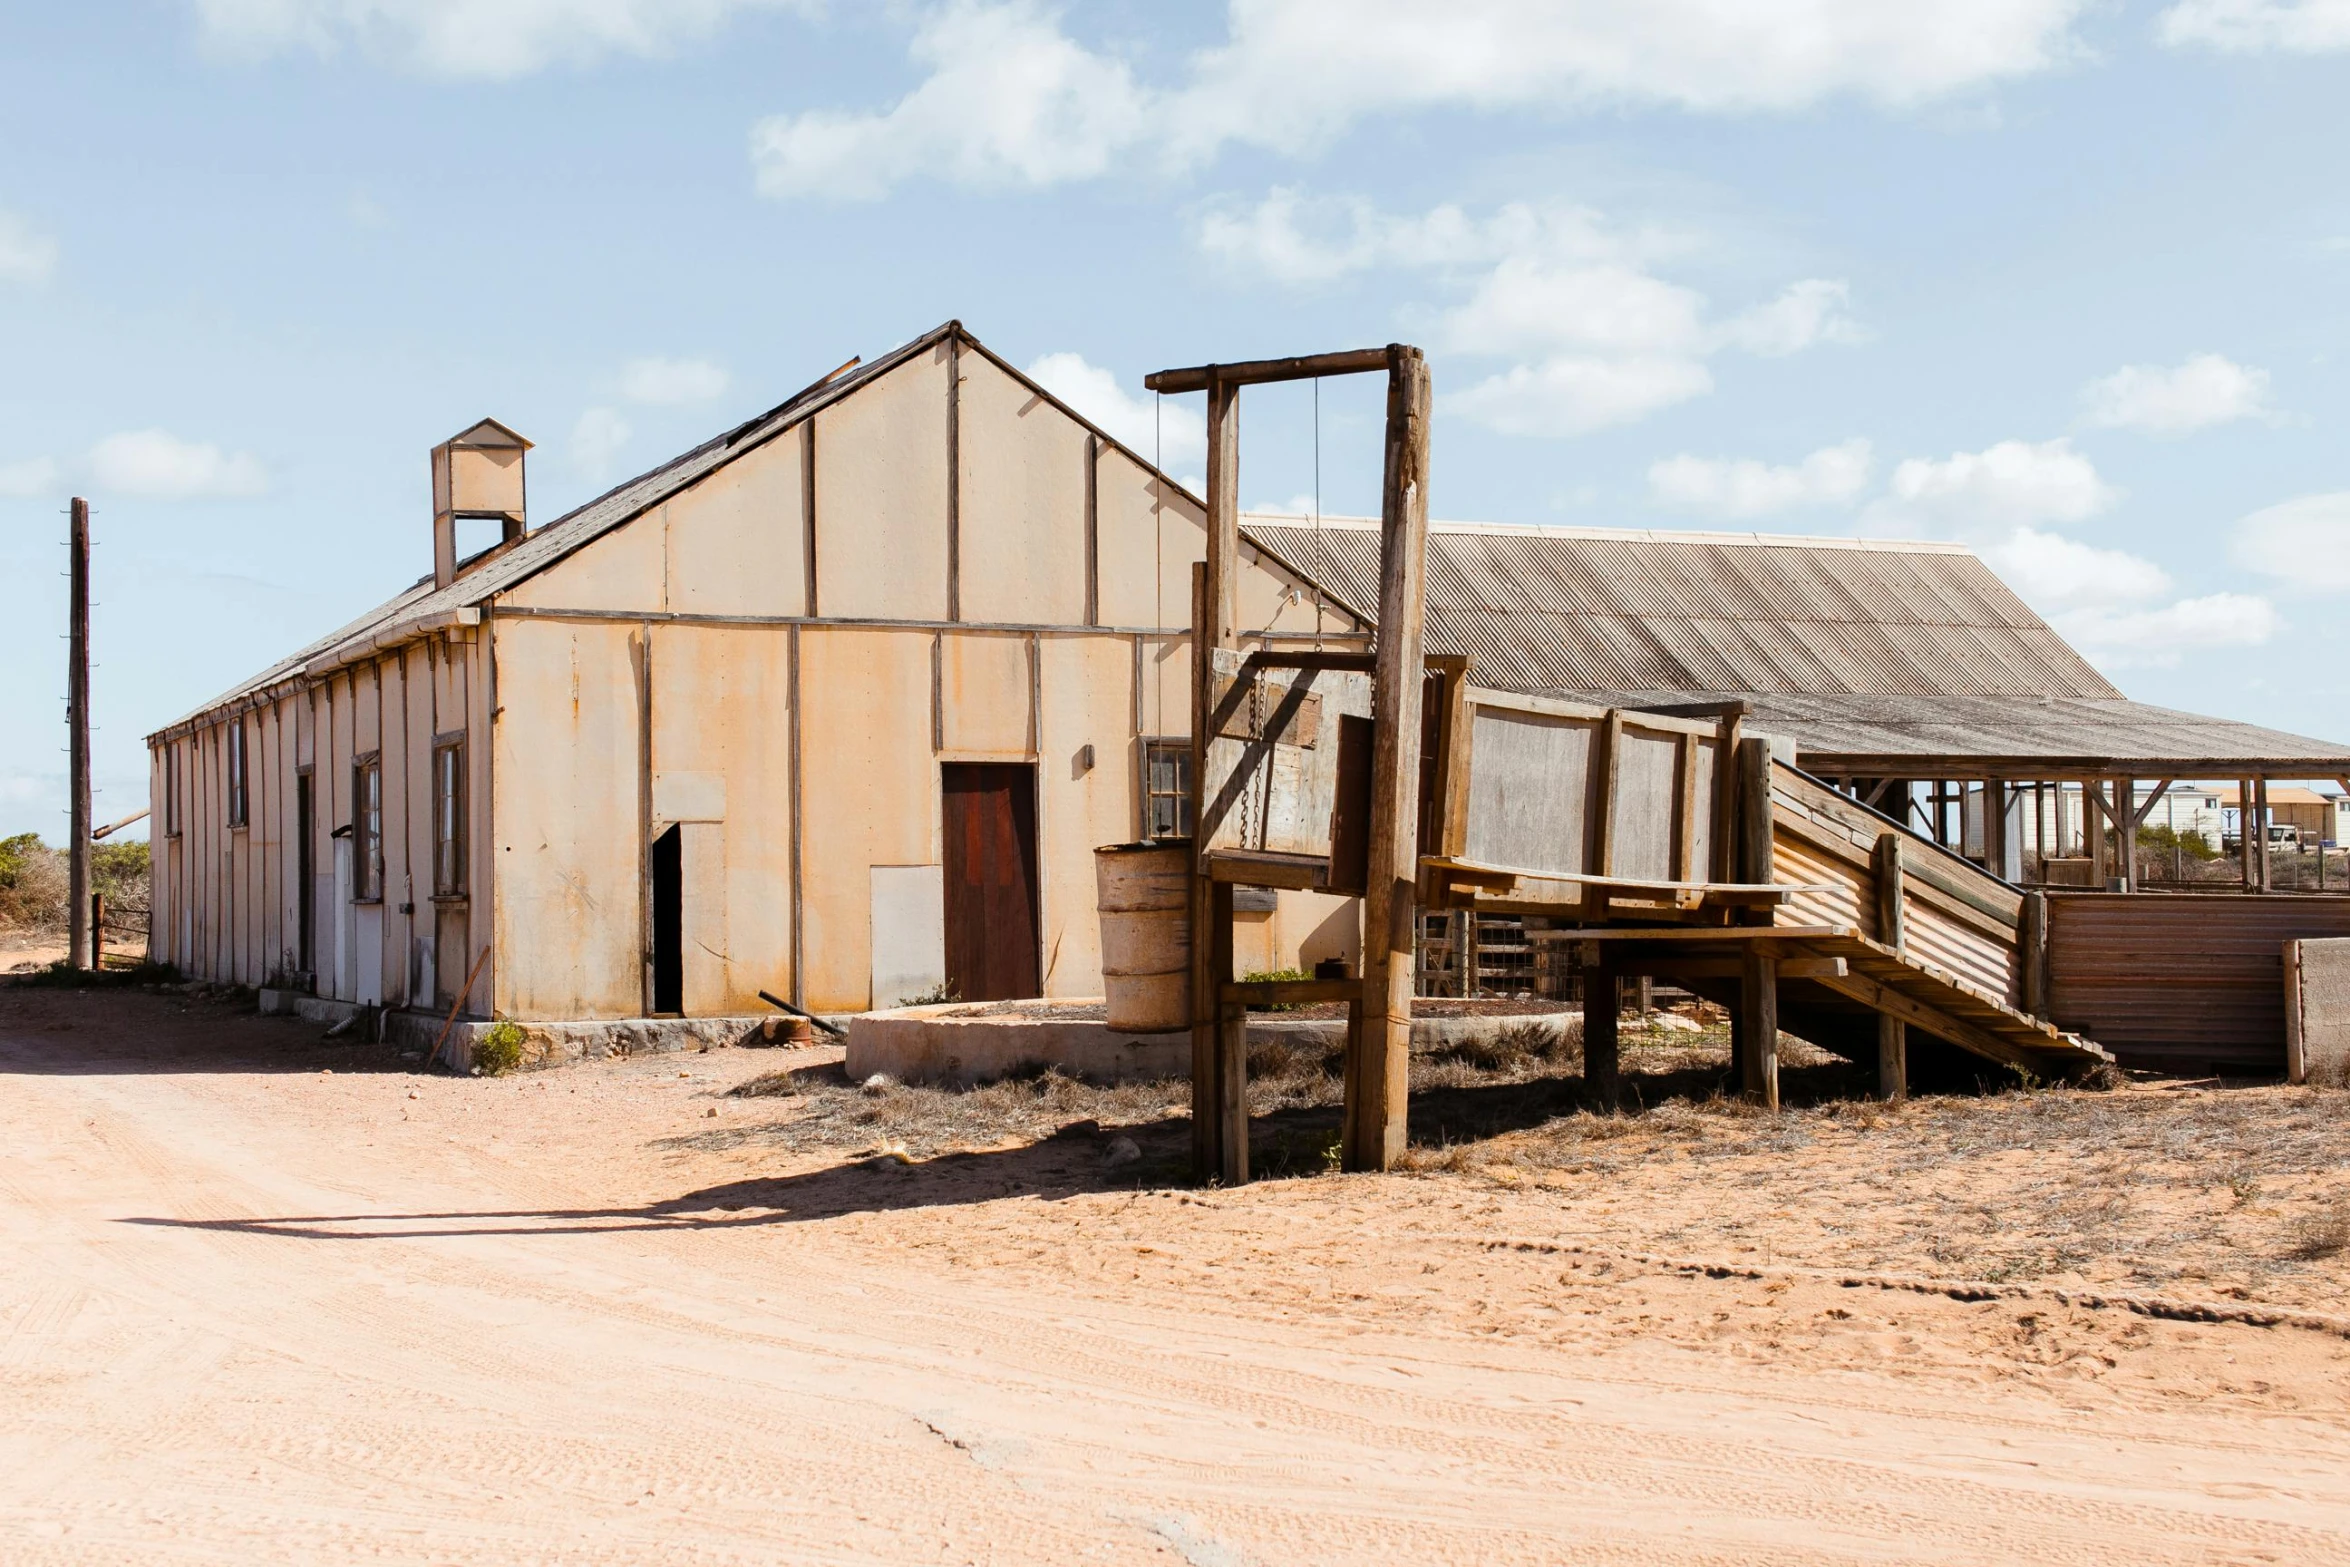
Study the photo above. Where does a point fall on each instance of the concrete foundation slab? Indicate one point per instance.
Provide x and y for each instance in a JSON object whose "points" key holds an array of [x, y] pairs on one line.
{"points": [[958, 1042], [309, 1008], [554, 1044]]}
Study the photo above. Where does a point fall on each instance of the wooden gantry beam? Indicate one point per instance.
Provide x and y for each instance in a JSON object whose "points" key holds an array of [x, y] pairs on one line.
{"points": [[1257, 372]]}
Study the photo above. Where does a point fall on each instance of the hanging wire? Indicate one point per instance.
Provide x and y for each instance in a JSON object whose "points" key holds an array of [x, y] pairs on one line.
{"points": [[1158, 523]]}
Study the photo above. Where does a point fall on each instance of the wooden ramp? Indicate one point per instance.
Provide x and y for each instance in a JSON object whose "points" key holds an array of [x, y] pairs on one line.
{"points": [[1859, 928]]}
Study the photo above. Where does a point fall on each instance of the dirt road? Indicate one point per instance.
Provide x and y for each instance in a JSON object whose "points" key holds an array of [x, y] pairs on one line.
{"points": [[254, 1312]]}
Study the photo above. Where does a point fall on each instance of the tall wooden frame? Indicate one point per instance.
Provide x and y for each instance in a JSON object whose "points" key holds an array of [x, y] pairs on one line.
{"points": [[1380, 1001]]}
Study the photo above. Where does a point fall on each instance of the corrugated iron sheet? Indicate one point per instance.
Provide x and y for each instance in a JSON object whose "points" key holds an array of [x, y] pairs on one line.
{"points": [[1863, 652], [1608, 610], [2181, 982]]}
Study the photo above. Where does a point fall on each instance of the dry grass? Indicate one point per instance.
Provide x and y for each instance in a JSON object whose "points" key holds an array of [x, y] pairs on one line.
{"points": [[2178, 1188], [2235, 1192]]}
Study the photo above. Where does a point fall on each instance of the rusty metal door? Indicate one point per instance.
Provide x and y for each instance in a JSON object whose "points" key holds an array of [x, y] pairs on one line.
{"points": [[989, 857]]}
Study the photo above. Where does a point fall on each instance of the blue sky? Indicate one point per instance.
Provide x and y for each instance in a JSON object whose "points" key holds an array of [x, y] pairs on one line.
{"points": [[2065, 281]]}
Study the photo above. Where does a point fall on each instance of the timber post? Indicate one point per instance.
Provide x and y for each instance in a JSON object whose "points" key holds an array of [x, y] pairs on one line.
{"points": [[1219, 1032], [1758, 1007], [1892, 1032], [78, 937], [2032, 953], [1603, 1002], [1207, 1126], [1379, 1073], [2244, 832], [2260, 850]]}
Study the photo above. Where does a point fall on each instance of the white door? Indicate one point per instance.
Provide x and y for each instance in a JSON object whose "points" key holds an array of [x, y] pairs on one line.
{"points": [[909, 933], [341, 984]]}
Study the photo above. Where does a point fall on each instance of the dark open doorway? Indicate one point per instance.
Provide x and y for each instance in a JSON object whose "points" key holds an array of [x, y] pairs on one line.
{"points": [[669, 922], [989, 865]]}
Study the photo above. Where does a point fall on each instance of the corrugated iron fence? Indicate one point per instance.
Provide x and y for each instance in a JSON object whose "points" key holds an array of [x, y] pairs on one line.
{"points": [[2181, 982]]}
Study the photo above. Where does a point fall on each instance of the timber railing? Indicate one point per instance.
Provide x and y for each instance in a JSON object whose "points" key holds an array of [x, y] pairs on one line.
{"points": [[1857, 867]]}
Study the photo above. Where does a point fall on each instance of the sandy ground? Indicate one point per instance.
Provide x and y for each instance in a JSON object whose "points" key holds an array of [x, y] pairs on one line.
{"points": [[268, 1299], [22, 951]]}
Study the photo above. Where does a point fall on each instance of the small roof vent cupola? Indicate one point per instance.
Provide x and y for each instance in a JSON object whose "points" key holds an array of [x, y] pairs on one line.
{"points": [[476, 473]]}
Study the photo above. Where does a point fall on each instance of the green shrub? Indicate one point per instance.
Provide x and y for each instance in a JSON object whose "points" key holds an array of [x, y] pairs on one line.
{"points": [[2190, 843], [498, 1050], [1275, 976]]}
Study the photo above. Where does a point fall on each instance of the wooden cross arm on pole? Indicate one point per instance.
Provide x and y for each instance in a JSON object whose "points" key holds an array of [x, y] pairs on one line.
{"points": [[1253, 372], [114, 827]]}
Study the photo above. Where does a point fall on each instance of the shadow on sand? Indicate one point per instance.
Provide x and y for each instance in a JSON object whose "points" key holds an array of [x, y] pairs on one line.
{"points": [[1286, 1144]]}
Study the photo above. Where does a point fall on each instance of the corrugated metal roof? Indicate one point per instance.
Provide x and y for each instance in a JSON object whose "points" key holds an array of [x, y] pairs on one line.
{"points": [[543, 547], [1591, 609], [2048, 737], [1861, 650], [420, 605]]}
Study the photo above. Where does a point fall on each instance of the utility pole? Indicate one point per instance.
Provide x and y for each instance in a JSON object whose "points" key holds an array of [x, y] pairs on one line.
{"points": [[77, 722]]}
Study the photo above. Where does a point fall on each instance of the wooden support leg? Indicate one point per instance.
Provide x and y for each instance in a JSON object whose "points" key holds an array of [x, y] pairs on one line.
{"points": [[1740, 1041], [1892, 1058], [1758, 1003], [1379, 1081], [1232, 1094], [1211, 964], [1603, 1002]]}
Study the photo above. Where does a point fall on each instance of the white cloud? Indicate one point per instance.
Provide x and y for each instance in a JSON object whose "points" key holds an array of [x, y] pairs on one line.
{"points": [[488, 39], [2204, 390], [1573, 394], [158, 465], [2159, 637], [26, 254], [2109, 603], [1295, 70], [596, 441], [32, 477], [1528, 303], [2305, 542], [673, 381], [2014, 484], [1011, 99], [2257, 26], [1600, 337], [1744, 488], [1174, 428], [2055, 574], [1808, 312], [1297, 238]]}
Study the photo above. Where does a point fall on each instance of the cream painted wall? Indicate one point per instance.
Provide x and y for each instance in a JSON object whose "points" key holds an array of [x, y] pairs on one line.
{"points": [[871, 792], [736, 543], [983, 695], [555, 833], [569, 914], [1087, 689], [1022, 502], [881, 496], [722, 710]]}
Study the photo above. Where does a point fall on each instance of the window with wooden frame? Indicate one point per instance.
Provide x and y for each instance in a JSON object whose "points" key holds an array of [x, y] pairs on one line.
{"points": [[448, 818], [237, 796], [367, 829], [171, 789], [1166, 789]]}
